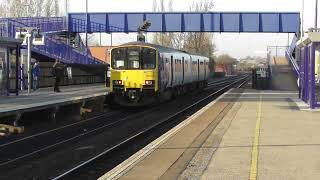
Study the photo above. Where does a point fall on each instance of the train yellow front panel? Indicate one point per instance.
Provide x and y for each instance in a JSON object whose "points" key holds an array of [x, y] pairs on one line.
{"points": [[134, 78]]}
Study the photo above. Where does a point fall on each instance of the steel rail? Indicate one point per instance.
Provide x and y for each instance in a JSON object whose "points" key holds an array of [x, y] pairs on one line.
{"points": [[84, 121], [32, 137], [72, 170], [55, 129], [72, 138]]}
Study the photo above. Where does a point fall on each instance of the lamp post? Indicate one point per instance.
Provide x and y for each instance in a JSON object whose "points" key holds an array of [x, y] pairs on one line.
{"points": [[302, 16], [67, 18], [66, 7], [316, 16], [29, 40], [86, 31]]}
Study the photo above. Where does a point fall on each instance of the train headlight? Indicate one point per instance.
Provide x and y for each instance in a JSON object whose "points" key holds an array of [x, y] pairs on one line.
{"points": [[117, 82], [149, 82]]}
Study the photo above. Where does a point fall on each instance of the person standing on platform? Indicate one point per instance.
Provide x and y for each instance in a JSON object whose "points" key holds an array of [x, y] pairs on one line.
{"points": [[36, 75], [58, 72]]}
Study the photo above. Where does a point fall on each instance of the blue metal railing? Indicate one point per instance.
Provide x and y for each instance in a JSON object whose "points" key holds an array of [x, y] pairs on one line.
{"points": [[79, 24], [53, 48], [6, 28], [45, 24]]}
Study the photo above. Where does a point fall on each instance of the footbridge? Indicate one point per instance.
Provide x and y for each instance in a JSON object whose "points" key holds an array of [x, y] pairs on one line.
{"points": [[63, 40]]}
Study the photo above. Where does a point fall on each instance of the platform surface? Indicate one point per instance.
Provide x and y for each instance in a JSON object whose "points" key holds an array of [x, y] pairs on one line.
{"points": [[247, 134], [46, 97]]}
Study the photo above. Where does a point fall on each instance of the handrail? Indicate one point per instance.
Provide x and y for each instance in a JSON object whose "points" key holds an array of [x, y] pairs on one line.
{"points": [[293, 63], [44, 24]]}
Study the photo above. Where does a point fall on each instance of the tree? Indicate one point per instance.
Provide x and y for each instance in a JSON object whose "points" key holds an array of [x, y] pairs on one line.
{"points": [[226, 59], [212, 65], [17, 8], [164, 39], [30, 8], [3, 10], [193, 42], [200, 43]]}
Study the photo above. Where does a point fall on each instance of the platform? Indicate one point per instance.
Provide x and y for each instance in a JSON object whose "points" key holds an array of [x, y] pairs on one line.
{"points": [[245, 134], [46, 98]]}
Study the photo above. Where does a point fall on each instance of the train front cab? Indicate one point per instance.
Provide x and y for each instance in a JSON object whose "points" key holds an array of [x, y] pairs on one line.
{"points": [[134, 74]]}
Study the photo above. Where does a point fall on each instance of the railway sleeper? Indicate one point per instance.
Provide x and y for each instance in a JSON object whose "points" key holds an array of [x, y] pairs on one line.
{"points": [[94, 105]]}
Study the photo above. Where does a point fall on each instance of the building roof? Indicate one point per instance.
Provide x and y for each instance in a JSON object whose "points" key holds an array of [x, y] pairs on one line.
{"points": [[9, 42], [100, 52]]}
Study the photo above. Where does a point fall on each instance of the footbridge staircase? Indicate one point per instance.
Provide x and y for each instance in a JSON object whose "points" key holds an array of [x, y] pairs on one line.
{"points": [[59, 43]]}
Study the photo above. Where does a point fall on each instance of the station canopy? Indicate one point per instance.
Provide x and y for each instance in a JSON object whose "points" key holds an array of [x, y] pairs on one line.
{"points": [[252, 22]]}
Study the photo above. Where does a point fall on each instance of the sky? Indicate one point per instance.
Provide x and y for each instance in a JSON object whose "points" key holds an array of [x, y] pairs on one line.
{"points": [[236, 44]]}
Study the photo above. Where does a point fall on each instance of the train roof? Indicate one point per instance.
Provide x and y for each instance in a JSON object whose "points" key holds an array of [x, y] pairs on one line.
{"points": [[160, 48]]}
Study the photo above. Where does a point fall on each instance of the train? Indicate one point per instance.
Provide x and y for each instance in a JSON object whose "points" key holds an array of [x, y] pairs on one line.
{"points": [[143, 73]]}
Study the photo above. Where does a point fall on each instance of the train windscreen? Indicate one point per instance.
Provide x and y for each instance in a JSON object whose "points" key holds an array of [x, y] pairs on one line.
{"points": [[133, 58]]}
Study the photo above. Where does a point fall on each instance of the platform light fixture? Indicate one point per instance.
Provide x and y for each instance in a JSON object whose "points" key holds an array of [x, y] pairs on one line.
{"points": [[30, 35]]}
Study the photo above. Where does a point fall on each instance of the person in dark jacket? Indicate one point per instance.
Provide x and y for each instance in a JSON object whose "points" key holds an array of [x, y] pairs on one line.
{"points": [[36, 75], [58, 72]]}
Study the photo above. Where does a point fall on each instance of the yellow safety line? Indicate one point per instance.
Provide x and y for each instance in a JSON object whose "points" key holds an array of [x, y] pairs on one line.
{"points": [[255, 147]]}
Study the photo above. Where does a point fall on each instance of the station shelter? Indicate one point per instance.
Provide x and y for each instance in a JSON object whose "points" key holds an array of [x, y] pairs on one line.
{"points": [[309, 80], [9, 65]]}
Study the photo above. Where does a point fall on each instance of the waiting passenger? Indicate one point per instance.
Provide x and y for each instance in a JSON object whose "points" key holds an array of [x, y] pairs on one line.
{"points": [[36, 75], [58, 72]]}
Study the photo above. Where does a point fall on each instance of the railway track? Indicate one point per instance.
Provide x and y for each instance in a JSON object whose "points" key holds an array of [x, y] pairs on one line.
{"points": [[50, 141], [93, 162]]}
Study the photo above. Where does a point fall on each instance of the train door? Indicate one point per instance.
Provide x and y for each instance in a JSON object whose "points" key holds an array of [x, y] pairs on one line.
{"points": [[183, 70], [172, 76], [198, 70], [3, 74]]}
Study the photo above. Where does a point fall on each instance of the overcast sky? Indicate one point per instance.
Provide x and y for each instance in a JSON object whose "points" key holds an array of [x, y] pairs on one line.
{"points": [[236, 44]]}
